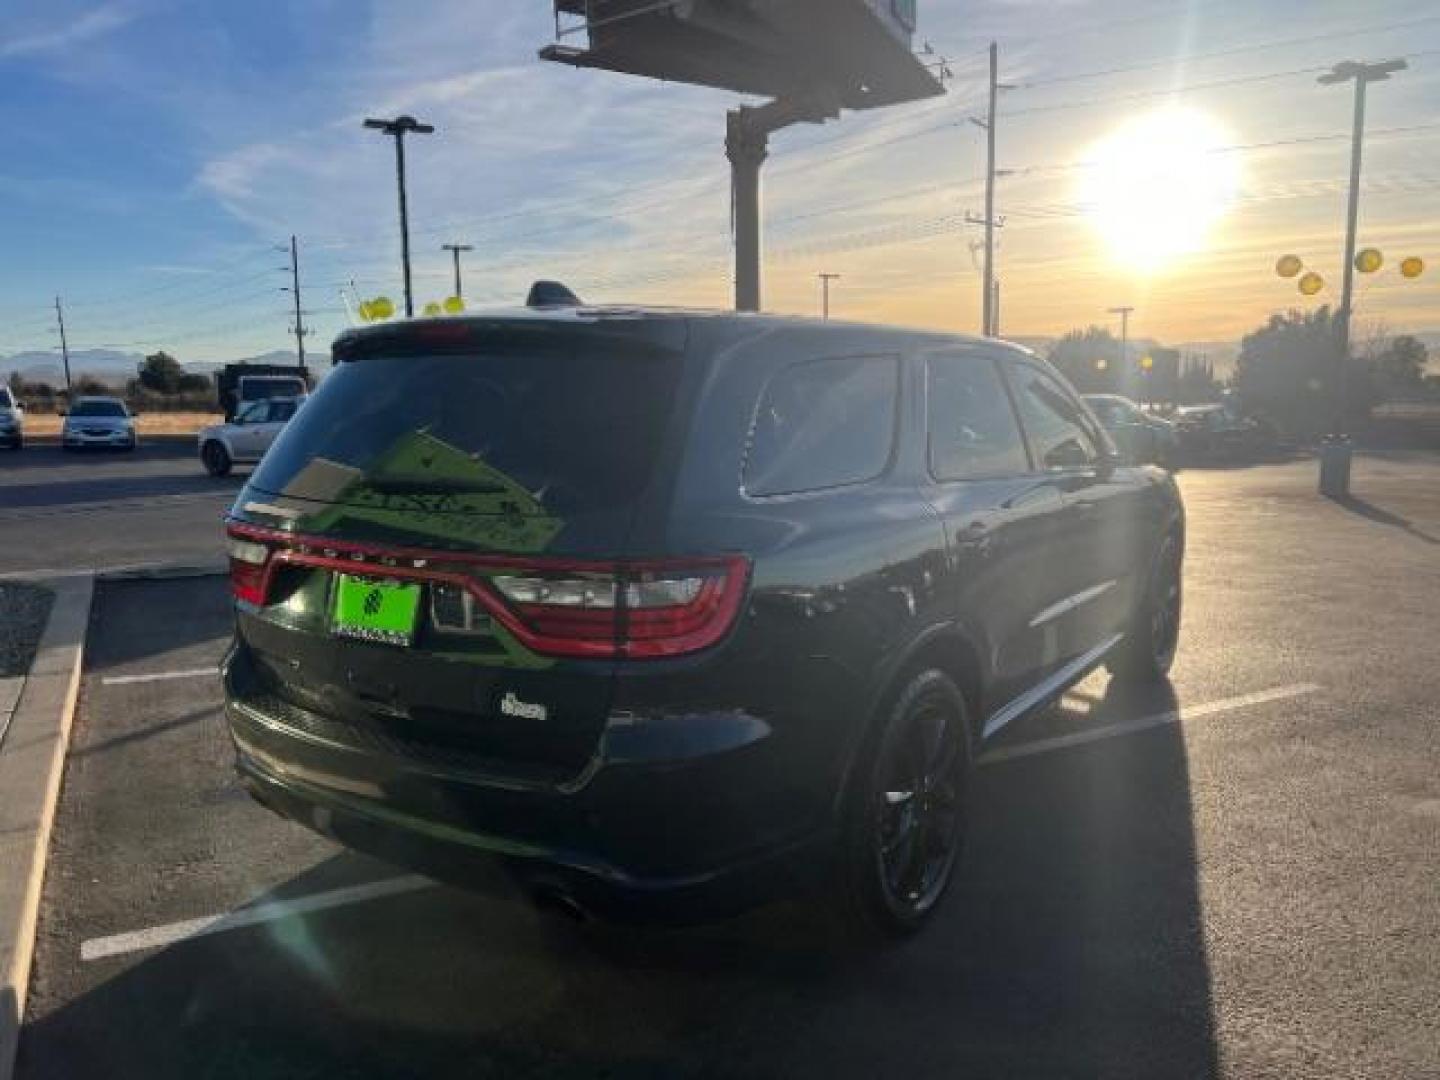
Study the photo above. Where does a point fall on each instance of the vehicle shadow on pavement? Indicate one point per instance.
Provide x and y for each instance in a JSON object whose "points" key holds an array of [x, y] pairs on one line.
{"points": [[145, 618], [1072, 945]]}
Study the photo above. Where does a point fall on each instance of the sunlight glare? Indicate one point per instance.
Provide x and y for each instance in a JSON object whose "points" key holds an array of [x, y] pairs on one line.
{"points": [[1158, 186]]}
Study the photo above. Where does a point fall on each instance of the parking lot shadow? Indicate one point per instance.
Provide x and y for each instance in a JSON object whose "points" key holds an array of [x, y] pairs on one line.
{"points": [[1371, 512], [1072, 946]]}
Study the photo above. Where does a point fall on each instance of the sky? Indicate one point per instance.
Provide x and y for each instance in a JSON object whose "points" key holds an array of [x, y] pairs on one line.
{"points": [[1160, 154]]}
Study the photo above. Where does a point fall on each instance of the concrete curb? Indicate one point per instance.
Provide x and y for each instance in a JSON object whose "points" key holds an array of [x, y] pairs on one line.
{"points": [[32, 762]]}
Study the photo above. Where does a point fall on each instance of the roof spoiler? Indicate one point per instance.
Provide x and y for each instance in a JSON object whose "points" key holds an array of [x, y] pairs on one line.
{"points": [[551, 294]]}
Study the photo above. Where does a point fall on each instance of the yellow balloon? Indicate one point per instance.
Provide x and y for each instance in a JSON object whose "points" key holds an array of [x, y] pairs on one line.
{"points": [[366, 314], [1412, 267], [454, 304], [431, 309], [1368, 260], [1287, 266], [1146, 363], [1101, 364], [382, 307], [1311, 283]]}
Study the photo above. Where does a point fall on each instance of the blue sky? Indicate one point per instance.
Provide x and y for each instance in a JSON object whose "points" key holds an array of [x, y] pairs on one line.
{"points": [[158, 149]]}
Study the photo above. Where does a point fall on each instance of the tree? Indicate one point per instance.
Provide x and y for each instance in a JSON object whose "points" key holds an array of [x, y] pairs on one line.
{"points": [[1401, 365], [161, 373], [1196, 383], [1090, 359], [1286, 371]]}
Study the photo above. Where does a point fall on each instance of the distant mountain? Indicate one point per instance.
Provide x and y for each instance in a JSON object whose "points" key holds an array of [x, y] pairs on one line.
{"points": [[111, 366]]}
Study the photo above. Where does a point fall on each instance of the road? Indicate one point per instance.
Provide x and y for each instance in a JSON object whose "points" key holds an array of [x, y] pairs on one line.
{"points": [[1231, 876], [68, 512]]}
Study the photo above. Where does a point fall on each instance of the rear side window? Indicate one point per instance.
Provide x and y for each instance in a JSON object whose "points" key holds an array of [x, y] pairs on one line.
{"points": [[566, 426], [973, 432], [824, 424], [1054, 422]]}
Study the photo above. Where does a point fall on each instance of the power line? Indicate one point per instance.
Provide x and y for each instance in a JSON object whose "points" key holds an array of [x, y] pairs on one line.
{"points": [[1236, 50]]}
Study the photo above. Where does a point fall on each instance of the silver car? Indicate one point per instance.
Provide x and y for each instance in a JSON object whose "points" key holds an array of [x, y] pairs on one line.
{"points": [[244, 440], [98, 421]]}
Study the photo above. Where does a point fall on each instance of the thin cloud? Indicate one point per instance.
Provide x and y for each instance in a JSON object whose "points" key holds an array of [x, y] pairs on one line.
{"points": [[94, 23]]}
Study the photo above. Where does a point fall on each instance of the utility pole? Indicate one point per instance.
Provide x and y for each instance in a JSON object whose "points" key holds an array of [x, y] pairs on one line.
{"points": [[1335, 454], [455, 250], [989, 320], [300, 330], [1124, 313], [995, 309], [825, 280], [64, 346], [399, 128]]}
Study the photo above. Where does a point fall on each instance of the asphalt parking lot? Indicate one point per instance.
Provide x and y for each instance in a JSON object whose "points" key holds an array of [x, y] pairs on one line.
{"points": [[1231, 876], [100, 510]]}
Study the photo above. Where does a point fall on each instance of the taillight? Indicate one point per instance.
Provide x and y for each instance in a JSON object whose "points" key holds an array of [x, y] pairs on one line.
{"points": [[248, 566], [654, 609], [554, 607]]}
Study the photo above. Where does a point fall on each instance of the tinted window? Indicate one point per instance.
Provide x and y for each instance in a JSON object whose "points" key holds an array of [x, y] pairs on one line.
{"points": [[6, 401], [281, 410], [972, 424], [1053, 421], [98, 408], [575, 427], [823, 424]]}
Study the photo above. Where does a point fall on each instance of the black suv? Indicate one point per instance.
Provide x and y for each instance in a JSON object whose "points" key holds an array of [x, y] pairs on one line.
{"points": [[667, 611]]}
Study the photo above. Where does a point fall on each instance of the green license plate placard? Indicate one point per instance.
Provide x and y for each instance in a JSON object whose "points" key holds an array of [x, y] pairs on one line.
{"points": [[383, 611]]}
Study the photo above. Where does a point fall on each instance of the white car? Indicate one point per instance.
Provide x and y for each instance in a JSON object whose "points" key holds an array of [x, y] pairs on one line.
{"points": [[244, 440], [98, 421], [12, 420]]}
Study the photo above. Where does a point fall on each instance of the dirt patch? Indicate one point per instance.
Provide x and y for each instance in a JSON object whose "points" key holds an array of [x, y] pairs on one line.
{"points": [[177, 423], [23, 610]]}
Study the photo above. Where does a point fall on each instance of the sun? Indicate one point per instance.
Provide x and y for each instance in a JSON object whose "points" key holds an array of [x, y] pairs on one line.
{"points": [[1158, 185]]}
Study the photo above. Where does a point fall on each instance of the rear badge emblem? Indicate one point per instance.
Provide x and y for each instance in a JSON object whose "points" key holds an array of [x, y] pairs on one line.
{"points": [[510, 705]]}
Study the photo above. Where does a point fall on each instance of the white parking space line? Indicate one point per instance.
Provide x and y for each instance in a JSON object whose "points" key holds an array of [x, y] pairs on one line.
{"points": [[1146, 723], [158, 676], [262, 911]]}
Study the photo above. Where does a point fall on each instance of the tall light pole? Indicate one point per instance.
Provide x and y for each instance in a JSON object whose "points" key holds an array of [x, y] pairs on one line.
{"points": [[455, 250], [1124, 313], [1335, 455], [400, 127], [825, 280]]}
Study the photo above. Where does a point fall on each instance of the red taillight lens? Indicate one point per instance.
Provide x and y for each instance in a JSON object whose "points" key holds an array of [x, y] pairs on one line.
{"points": [[654, 609], [249, 566]]}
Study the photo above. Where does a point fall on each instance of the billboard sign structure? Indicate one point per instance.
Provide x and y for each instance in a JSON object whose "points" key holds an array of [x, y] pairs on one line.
{"points": [[811, 58]]}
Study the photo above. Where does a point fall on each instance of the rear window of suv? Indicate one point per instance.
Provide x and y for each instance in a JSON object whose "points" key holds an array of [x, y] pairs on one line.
{"points": [[824, 424], [576, 428]]}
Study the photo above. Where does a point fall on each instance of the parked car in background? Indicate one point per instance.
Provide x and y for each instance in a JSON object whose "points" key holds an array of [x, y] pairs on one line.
{"points": [[667, 612], [1219, 433], [245, 439], [99, 422], [1142, 438], [12, 420]]}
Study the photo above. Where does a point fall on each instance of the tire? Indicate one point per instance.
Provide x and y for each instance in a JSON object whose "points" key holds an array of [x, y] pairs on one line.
{"points": [[906, 815], [216, 459], [1148, 650]]}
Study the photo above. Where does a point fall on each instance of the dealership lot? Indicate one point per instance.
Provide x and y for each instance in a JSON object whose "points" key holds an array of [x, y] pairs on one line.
{"points": [[1234, 875]]}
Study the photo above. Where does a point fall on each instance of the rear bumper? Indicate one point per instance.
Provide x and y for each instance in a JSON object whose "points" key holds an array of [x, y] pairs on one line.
{"points": [[653, 830]]}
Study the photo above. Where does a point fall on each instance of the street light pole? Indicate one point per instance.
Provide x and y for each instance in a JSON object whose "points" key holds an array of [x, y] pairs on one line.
{"points": [[1124, 313], [399, 127], [455, 250], [1336, 454], [825, 280]]}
